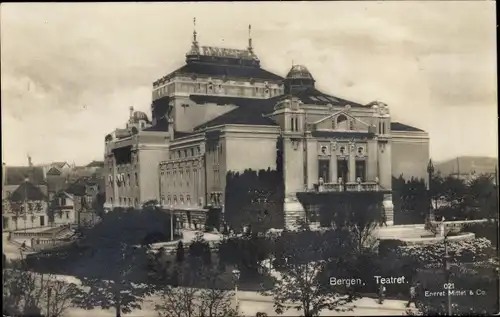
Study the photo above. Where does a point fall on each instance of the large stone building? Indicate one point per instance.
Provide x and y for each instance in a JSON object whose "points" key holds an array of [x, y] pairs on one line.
{"points": [[221, 112]]}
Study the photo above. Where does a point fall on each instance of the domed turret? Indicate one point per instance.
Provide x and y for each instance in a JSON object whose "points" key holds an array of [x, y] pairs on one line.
{"points": [[299, 72], [298, 79], [138, 116]]}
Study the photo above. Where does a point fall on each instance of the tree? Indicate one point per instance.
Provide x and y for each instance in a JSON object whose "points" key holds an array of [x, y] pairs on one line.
{"points": [[179, 254], [436, 189], [303, 270], [117, 290], [212, 300], [199, 249], [481, 200], [455, 194], [28, 294]]}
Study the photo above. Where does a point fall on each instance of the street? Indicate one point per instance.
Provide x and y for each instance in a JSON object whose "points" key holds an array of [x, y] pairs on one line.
{"points": [[251, 303]]}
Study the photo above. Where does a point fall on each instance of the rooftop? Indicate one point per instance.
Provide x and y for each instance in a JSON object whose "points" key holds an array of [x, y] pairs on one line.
{"points": [[16, 175], [250, 111], [27, 191], [397, 126]]}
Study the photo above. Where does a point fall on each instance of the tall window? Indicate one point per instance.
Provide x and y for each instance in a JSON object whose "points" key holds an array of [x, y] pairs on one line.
{"points": [[324, 170], [342, 169], [296, 124], [361, 170], [292, 120], [136, 177]]}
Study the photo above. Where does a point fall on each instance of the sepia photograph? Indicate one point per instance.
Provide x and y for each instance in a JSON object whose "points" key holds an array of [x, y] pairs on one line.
{"points": [[231, 159]]}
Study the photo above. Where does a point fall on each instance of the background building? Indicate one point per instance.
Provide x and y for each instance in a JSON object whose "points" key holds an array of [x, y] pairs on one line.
{"points": [[221, 113]]}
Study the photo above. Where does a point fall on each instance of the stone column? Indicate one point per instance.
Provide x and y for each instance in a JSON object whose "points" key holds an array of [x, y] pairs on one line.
{"points": [[352, 163], [333, 168], [371, 160]]}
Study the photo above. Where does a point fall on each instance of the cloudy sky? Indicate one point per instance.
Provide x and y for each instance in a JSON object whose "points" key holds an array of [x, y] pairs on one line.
{"points": [[71, 71]]}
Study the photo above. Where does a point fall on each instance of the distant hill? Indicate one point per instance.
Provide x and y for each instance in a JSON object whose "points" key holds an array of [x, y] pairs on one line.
{"points": [[467, 164]]}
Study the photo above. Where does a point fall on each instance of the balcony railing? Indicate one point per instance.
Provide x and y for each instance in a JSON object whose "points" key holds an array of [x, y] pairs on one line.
{"points": [[349, 187]]}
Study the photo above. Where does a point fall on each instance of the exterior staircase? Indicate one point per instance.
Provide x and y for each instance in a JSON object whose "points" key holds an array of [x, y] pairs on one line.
{"points": [[403, 232]]}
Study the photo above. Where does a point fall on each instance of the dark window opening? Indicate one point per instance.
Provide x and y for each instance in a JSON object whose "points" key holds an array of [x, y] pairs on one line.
{"points": [[342, 169], [361, 170], [324, 170]]}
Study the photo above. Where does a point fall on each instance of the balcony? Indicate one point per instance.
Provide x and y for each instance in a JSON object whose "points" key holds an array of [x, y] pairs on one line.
{"points": [[348, 187]]}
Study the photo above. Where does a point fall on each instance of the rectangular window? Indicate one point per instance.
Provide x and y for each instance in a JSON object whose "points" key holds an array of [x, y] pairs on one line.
{"points": [[342, 170], [324, 170], [361, 170], [42, 221], [5, 222]]}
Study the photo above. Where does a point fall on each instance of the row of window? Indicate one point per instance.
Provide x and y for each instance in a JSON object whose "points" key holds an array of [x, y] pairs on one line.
{"points": [[172, 200], [211, 88], [30, 205], [24, 218], [342, 150], [184, 153], [125, 201], [121, 180], [177, 178]]}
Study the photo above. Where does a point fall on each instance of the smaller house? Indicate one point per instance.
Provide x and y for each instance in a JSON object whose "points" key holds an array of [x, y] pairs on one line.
{"points": [[62, 209], [25, 208], [88, 200]]}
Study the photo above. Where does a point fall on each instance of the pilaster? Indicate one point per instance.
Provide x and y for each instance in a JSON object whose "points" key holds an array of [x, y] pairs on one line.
{"points": [[352, 163], [333, 162], [372, 157]]}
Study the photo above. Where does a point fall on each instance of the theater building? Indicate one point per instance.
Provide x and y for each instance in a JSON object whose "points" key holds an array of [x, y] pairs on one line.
{"points": [[221, 112]]}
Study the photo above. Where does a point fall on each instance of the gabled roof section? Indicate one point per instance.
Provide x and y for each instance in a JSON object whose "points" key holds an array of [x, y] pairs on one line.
{"points": [[345, 113], [27, 191], [397, 126], [315, 97], [249, 111], [59, 165], [54, 171], [16, 175]]}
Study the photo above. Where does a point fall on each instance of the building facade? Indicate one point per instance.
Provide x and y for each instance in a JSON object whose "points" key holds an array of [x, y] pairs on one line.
{"points": [[221, 113]]}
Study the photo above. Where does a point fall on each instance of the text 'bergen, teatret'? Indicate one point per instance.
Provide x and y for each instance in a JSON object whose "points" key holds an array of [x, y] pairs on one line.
{"points": [[221, 112]]}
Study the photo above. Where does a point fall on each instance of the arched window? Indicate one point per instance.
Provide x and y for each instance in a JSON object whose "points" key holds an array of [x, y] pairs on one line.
{"points": [[136, 176], [128, 179], [292, 120], [296, 124], [342, 122], [182, 199]]}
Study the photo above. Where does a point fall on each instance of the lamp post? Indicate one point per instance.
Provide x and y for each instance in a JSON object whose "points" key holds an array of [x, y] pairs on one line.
{"points": [[171, 208], [236, 277], [430, 172]]}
